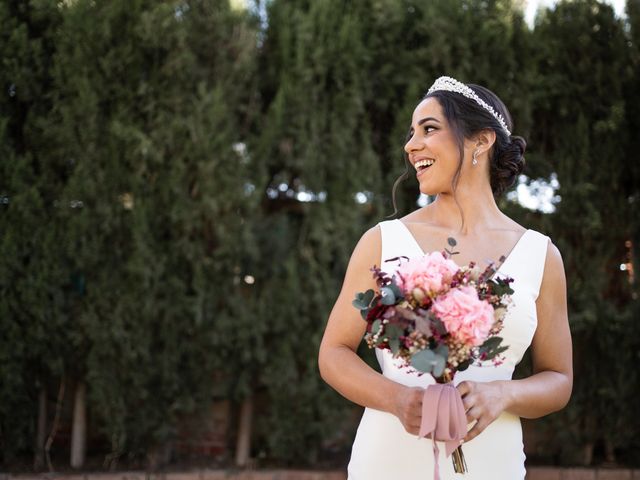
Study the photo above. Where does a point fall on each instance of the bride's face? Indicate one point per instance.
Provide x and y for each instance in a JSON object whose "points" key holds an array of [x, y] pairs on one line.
{"points": [[432, 148]]}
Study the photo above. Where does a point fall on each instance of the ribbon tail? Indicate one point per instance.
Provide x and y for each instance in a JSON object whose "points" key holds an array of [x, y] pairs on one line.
{"points": [[450, 446], [457, 421], [429, 421], [430, 401], [444, 418], [436, 460]]}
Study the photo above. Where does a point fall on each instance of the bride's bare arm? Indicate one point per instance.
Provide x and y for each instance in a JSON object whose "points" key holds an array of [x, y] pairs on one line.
{"points": [[340, 366], [549, 388]]}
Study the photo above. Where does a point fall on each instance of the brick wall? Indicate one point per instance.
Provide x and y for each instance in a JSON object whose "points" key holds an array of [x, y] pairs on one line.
{"points": [[534, 473]]}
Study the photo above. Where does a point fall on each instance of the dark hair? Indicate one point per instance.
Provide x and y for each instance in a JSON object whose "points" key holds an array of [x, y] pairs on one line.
{"points": [[466, 118]]}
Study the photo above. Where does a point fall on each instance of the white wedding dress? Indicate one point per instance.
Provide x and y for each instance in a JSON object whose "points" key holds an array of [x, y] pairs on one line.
{"points": [[383, 450]]}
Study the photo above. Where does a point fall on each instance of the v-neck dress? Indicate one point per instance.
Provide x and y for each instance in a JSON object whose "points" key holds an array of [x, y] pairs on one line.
{"points": [[383, 450]]}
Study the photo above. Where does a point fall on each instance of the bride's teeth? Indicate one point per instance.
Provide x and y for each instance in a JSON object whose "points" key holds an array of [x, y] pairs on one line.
{"points": [[424, 163]]}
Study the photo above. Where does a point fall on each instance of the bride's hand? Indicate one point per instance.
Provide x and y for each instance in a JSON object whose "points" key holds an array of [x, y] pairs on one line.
{"points": [[408, 408], [483, 402]]}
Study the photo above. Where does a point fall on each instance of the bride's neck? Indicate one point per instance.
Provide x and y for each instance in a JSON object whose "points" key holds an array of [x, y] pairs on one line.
{"points": [[479, 209]]}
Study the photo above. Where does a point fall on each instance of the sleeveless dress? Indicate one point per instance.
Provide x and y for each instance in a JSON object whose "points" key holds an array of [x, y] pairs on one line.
{"points": [[383, 450]]}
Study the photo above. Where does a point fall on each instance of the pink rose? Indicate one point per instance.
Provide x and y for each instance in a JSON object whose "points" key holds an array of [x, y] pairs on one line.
{"points": [[467, 318], [431, 273]]}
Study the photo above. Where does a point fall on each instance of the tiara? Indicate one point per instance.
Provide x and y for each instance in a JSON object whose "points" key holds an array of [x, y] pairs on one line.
{"points": [[452, 85]]}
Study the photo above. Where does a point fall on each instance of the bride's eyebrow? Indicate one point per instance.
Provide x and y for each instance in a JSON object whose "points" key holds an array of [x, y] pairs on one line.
{"points": [[426, 119]]}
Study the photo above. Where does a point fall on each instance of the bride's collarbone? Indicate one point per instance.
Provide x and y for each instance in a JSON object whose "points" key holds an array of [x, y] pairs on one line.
{"points": [[490, 245]]}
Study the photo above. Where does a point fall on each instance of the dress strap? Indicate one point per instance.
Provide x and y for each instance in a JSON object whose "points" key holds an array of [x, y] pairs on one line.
{"points": [[530, 259], [396, 241]]}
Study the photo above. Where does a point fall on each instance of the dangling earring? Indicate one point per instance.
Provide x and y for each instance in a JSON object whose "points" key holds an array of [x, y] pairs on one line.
{"points": [[475, 159]]}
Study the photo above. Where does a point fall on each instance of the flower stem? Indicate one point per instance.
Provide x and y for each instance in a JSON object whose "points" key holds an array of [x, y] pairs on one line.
{"points": [[459, 463]]}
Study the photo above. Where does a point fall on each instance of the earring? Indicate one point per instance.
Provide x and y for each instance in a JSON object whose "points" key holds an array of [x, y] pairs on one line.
{"points": [[475, 159]]}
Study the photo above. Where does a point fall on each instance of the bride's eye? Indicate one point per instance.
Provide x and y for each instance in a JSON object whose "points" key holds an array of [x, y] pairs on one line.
{"points": [[428, 128]]}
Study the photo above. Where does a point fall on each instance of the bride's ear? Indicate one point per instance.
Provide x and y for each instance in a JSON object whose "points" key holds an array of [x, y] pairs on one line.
{"points": [[484, 140]]}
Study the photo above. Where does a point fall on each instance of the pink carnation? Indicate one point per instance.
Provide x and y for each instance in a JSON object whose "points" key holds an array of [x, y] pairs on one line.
{"points": [[467, 318], [430, 272]]}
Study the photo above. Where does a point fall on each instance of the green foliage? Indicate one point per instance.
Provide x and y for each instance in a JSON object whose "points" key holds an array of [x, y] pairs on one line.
{"points": [[491, 347], [35, 287], [316, 137], [363, 300], [431, 361], [136, 214], [580, 110], [500, 287]]}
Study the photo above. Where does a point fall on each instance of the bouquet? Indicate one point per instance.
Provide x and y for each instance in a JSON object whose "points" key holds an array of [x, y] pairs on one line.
{"points": [[438, 318]]}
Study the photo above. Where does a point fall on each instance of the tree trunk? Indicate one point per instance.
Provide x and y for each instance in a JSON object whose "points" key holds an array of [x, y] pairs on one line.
{"points": [[243, 446], [609, 453], [41, 432], [54, 427], [79, 426]]}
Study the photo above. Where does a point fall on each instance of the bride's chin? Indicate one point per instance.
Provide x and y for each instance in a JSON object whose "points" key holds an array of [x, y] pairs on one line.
{"points": [[427, 191]]}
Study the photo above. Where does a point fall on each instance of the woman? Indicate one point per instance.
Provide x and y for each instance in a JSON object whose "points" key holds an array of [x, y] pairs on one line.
{"points": [[461, 148]]}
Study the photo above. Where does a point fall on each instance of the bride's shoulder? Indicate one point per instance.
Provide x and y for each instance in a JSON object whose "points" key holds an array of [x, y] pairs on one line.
{"points": [[369, 245]]}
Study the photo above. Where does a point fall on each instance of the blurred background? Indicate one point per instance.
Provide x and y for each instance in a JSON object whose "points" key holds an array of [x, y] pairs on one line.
{"points": [[182, 183]]}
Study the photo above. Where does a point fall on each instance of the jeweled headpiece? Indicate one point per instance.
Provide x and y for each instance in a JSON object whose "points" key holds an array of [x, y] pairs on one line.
{"points": [[452, 85]]}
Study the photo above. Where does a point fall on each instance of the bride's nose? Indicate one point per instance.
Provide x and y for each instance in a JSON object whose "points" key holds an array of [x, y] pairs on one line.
{"points": [[412, 144]]}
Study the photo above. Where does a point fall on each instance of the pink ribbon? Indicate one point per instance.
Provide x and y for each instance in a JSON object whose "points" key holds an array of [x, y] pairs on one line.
{"points": [[443, 419]]}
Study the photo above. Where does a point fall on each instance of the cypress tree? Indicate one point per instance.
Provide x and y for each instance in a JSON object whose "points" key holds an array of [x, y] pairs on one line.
{"points": [[33, 285], [581, 129], [146, 103], [315, 145]]}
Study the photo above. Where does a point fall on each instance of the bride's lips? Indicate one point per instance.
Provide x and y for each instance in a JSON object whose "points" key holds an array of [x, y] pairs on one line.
{"points": [[420, 171]]}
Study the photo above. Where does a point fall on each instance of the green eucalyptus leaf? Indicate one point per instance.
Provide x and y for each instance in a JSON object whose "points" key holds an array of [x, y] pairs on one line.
{"points": [[392, 331], [394, 345], [438, 368], [375, 326], [388, 297], [358, 301], [423, 361], [443, 351], [428, 361], [363, 299], [368, 296], [395, 289]]}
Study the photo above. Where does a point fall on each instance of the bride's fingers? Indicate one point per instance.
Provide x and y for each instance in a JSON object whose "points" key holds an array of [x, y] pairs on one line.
{"points": [[477, 429], [465, 388], [473, 414], [468, 402], [415, 421], [413, 427]]}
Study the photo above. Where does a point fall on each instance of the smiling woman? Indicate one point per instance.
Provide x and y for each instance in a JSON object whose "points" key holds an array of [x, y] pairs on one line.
{"points": [[461, 150], [440, 111]]}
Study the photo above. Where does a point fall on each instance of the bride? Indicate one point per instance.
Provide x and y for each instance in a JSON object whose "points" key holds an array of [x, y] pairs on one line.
{"points": [[462, 151]]}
